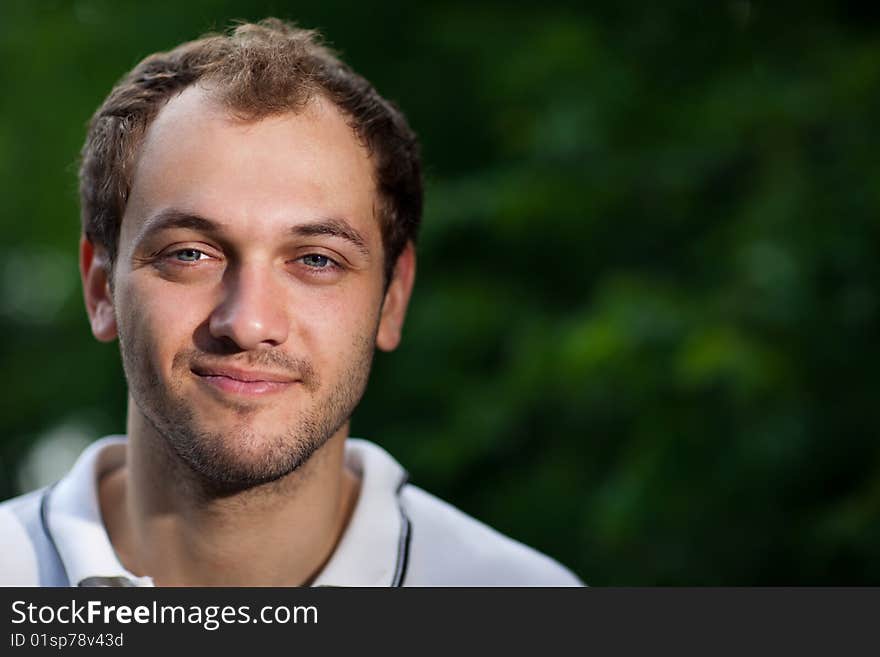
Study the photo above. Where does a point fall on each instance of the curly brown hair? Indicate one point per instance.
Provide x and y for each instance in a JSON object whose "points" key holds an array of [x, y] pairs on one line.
{"points": [[257, 69]]}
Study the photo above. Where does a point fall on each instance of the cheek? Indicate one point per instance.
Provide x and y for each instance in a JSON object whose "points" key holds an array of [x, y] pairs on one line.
{"points": [[156, 320], [330, 327]]}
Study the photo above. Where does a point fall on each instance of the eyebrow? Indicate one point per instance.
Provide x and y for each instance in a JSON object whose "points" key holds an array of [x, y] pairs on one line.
{"points": [[173, 218], [335, 228]]}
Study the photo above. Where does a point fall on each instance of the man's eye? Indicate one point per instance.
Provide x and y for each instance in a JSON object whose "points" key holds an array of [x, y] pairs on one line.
{"points": [[317, 261], [188, 255]]}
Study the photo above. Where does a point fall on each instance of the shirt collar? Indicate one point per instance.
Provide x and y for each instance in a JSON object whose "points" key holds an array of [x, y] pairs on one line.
{"points": [[371, 552], [73, 518], [373, 548]]}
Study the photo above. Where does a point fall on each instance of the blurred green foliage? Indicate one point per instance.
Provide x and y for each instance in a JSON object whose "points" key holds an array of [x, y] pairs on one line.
{"points": [[641, 337]]}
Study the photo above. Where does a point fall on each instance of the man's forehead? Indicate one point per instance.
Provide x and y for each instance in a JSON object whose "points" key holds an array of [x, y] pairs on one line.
{"points": [[197, 154], [198, 108]]}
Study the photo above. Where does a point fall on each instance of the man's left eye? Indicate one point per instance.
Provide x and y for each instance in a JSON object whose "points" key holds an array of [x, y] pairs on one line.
{"points": [[316, 260]]}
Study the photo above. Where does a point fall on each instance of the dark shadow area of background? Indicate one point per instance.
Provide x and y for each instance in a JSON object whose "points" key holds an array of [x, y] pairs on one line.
{"points": [[644, 332]]}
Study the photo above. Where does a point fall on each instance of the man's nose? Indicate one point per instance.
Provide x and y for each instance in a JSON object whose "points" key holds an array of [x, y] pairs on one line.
{"points": [[252, 313]]}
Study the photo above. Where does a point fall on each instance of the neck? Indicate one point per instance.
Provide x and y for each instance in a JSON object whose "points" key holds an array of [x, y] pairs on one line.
{"points": [[164, 524]]}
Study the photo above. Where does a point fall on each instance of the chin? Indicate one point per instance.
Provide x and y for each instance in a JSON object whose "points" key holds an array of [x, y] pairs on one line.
{"points": [[239, 460]]}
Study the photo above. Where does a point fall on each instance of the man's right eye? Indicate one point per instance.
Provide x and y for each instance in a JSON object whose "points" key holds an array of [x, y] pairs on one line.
{"points": [[187, 255]]}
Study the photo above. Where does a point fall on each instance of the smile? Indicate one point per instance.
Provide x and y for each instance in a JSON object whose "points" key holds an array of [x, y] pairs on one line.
{"points": [[244, 382]]}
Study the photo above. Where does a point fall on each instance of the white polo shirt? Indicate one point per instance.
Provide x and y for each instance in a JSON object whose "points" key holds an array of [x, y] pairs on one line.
{"points": [[398, 534]]}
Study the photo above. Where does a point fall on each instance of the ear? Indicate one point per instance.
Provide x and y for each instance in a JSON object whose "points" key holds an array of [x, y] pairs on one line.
{"points": [[397, 299], [94, 269]]}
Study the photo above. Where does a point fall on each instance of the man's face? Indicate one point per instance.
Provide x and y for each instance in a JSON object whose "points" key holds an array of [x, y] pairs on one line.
{"points": [[248, 288]]}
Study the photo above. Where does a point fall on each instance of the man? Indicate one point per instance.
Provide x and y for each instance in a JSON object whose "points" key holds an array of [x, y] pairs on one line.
{"points": [[250, 207]]}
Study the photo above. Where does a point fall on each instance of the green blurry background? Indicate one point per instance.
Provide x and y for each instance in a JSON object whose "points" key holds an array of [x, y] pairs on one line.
{"points": [[643, 337]]}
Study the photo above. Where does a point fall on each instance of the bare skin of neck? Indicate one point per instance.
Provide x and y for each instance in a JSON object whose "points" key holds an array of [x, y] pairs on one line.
{"points": [[278, 534]]}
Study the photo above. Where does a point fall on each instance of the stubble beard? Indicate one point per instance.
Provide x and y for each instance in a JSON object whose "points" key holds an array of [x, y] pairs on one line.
{"points": [[240, 458]]}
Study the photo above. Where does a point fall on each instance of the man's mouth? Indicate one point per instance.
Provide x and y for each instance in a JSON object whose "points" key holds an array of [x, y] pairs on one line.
{"points": [[244, 381]]}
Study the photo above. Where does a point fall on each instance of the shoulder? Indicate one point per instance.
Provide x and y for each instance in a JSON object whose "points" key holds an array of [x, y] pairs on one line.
{"points": [[450, 548], [27, 557]]}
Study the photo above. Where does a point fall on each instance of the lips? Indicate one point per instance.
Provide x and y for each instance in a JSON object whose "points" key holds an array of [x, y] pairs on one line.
{"points": [[242, 381]]}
